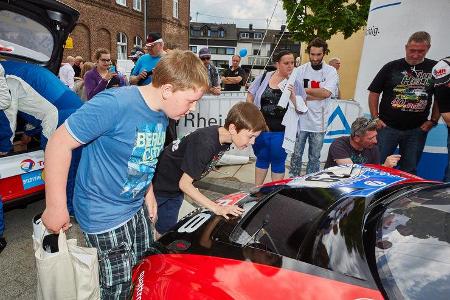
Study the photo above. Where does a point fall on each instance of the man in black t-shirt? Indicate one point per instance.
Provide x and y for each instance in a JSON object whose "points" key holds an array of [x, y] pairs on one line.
{"points": [[233, 76], [359, 147], [402, 113], [194, 156], [441, 82]]}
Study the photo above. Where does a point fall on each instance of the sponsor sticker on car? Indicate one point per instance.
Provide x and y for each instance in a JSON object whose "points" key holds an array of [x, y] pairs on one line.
{"points": [[366, 180], [32, 179]]}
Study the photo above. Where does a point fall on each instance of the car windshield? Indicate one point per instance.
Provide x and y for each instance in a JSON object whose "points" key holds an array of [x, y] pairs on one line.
{"points": [[412, 249], [281, 223], [25, 37]]}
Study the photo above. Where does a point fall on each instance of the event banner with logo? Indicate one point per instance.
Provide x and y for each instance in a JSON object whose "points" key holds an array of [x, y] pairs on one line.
{"points": [[21, 163], [213, 110]]}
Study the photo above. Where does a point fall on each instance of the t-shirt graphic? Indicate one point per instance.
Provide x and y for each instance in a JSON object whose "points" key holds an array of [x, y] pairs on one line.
{"points": [[410, 94], [406, 93], [358, 158], [144, 156], [214, 162]]}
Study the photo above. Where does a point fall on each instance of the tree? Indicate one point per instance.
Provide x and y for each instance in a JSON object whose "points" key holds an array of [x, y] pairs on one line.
{"points": [[324, 18]]}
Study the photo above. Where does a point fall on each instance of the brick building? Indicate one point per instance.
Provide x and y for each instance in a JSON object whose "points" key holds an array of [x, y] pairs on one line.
{"points": [[118, 25]]}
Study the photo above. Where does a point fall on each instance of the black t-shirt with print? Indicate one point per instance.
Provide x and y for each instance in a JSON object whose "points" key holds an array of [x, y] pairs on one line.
{"points": [[406, 93], [273, 114], [342, 149], [195, 154], [230, 73]]}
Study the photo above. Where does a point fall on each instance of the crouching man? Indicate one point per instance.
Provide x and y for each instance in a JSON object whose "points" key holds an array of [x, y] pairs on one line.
{"points": [[359, 147]]}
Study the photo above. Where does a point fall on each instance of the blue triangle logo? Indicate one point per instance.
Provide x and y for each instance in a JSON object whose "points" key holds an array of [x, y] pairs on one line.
{"points": [[346, 131]]}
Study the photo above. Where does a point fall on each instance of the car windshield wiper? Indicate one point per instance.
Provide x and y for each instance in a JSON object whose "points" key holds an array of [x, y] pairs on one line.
{"points": [[261, 229]]}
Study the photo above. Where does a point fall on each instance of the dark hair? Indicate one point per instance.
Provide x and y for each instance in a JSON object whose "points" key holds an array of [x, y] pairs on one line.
{"points": [[245, 115], [278, 55], [318, 43], [99, 52]]}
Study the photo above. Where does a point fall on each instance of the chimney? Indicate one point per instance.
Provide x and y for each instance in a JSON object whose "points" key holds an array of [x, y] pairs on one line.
{"points": [[250, 26], [283, 27]]}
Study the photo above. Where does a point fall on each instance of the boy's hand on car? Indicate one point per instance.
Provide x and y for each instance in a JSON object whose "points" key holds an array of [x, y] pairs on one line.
{"points": [[56, 219], [224, 211]]}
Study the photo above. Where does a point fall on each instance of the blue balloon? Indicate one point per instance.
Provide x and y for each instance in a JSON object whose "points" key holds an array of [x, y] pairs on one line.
{"points": [[243, 52]]}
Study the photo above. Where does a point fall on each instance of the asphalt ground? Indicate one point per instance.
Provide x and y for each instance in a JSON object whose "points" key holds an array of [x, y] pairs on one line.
{"points": [[17, 263]]}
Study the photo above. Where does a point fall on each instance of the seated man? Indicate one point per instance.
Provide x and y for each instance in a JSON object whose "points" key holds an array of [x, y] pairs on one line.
{"points": [[359, 147]]}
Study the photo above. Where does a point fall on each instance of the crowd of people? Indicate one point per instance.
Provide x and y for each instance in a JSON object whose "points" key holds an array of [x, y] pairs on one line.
{"points": [[131, 177]]}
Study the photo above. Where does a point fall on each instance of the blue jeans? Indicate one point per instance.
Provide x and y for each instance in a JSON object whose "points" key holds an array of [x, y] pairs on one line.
{"points": [[410, 142], [168, 209], [447, 171], [2, 222], [315, 140]]}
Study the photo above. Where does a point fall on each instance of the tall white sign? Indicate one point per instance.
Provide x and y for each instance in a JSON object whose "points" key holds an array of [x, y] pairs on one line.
{"points": [[389, 26]]}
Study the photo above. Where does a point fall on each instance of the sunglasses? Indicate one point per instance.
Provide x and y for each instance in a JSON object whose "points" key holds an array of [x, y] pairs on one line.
{"points": [[365, 125], [205, 58]]}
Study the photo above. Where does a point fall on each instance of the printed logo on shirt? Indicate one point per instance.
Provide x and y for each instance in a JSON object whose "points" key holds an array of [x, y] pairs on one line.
{"points": [[411, 94], [142, 163], [358, 158], [213, 163]]}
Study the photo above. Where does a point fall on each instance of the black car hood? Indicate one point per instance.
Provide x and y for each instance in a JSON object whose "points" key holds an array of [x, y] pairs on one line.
{"points": [[35, 30]]}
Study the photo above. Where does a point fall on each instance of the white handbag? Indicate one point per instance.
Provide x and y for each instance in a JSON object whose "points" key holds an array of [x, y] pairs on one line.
{"points": [[70, 273]]}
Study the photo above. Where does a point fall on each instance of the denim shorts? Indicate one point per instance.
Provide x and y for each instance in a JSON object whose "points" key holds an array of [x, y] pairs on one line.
{"points": [[269, 151]]}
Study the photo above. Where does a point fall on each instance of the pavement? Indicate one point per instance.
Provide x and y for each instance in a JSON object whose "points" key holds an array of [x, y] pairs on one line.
{"points": [[17, 263]]}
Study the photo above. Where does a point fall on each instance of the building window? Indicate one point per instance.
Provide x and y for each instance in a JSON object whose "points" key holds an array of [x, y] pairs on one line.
{"points": [[137, 5], [205, 31], [137, 41], [121, 46], [122, 2], [193, 48], [255, 52], [230, 51], [175, 8], [214, 33], [245, 35], [195, 32], [221, 32], [258, 35]]}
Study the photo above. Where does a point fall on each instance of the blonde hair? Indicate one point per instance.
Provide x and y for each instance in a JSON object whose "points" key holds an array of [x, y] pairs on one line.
{"points": [[182, 69], [87, 66]]}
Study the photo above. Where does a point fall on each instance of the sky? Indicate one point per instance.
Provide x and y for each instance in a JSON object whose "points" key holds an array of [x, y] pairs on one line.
{"points": [[239, 12]]}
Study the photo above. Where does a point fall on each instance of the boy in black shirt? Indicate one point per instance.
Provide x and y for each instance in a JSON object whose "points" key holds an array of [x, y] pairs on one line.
{"points": [[193, 156]]}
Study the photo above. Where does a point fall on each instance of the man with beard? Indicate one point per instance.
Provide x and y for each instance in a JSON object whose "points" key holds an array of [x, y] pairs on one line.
{"points": [[402, 113], [359, 147], [320, 82]]}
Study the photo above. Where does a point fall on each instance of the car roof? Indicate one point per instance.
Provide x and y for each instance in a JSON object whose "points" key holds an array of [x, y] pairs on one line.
{"points": [[364, 180], [35, 30]]}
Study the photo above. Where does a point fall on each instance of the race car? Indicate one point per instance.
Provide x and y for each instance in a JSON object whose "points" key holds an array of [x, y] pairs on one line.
{"points": [[347, 232], [32, 31]]}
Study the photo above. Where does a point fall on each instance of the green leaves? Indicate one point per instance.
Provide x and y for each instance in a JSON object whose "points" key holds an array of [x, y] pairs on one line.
{"points": [[325, 18]]}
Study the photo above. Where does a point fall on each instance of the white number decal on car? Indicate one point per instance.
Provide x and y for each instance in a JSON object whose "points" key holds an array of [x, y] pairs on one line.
{"points": [[194, 223]]}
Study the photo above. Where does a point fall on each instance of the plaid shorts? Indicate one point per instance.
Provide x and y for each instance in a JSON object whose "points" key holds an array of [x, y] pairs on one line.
{"points": [[118, 251]]}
